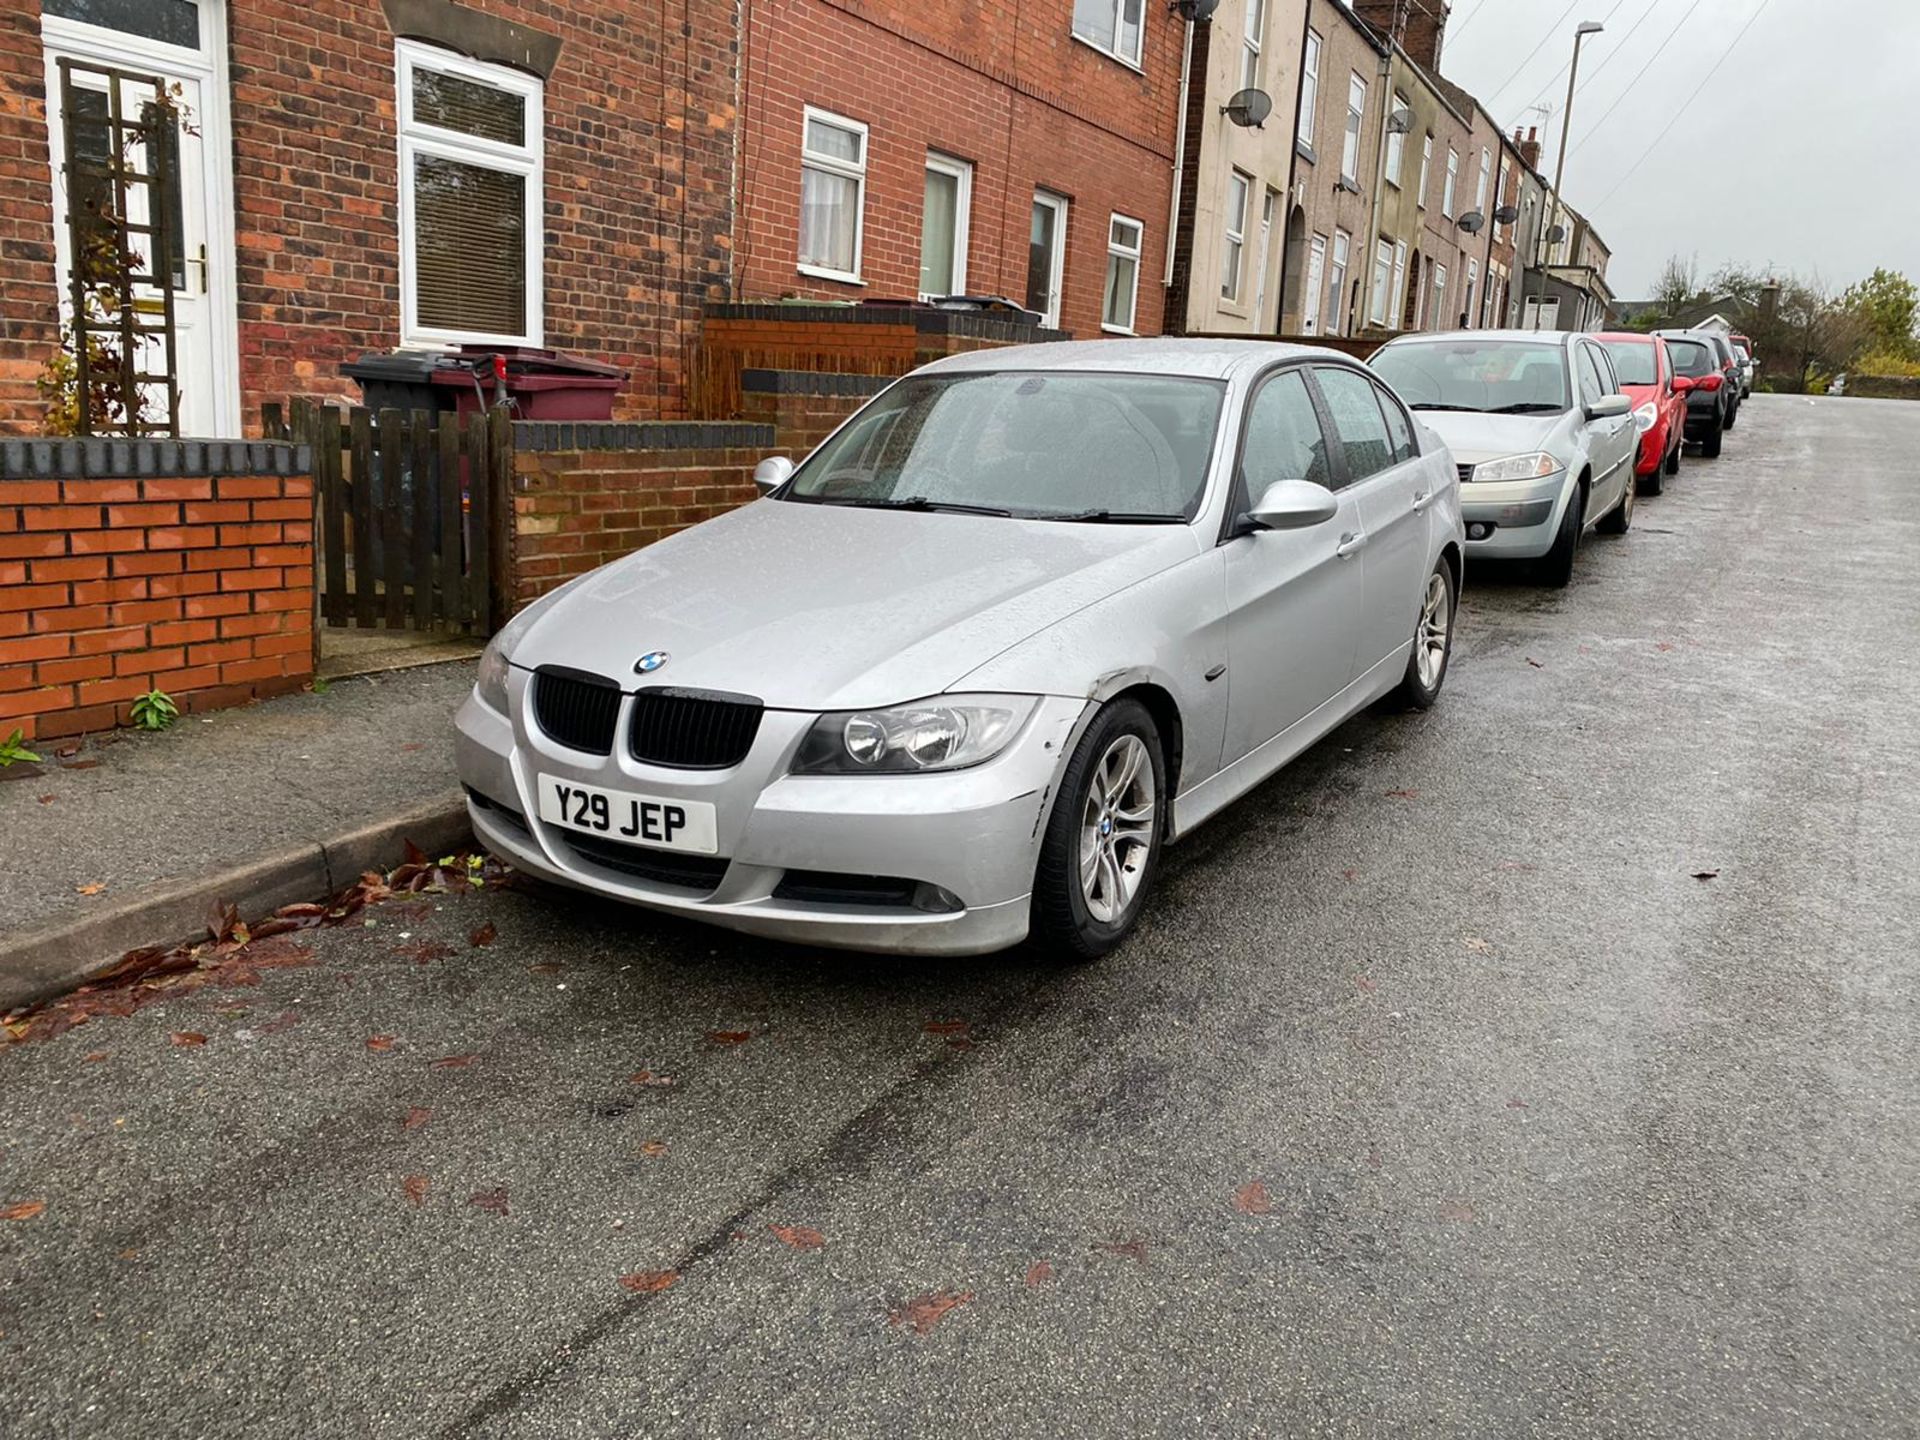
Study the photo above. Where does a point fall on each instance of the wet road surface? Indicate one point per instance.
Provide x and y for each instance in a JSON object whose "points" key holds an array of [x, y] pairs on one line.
{"points": [[1435, 1095]]}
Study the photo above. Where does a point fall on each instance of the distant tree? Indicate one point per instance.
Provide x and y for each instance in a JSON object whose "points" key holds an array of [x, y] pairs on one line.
{"points": [[1887, 304], [1676, 290], [1804, 334]]}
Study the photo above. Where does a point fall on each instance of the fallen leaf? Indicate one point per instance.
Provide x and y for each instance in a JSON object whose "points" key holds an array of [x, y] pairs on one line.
{"points": [[654, 1149], [945, 1027], [648, 1282], [416, 1116], [485, 935], [46, 799], [648, 1077], [1349, 874], [1039, 1272], [798, 1237], [1458, 1211], [414, 1187], [1252, 1199], [1516, 1103], [94, 889], [423, 952], [959, 1042], [493, 1201], [380, 1042], [94, 1057], [286, 1021], [453, 1062], [1536, 664], [1515, 865], [1402, 794], [923, 1312], [1663, 645], [1477, 945], [408, 749], [729, 1037], [1706, 875], [1366, 983], [22, 1210], [545, 967], [1134, 1249], [187, 1037]]}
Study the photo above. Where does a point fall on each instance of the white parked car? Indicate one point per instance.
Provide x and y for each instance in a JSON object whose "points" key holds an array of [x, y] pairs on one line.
{"points": [[1543, 436], [1024, 619]]}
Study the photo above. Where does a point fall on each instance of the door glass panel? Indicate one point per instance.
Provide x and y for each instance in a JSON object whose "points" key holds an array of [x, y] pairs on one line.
{"points": [[176, 22], [1283, 437], [938, 220], [166, 163], [1040, 246], [1357, 421]]}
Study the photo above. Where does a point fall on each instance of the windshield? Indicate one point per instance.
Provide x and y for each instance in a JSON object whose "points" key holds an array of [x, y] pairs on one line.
{"points": [[1742, 351], [1690, 357], [1500, 377], [1632, 360], [1038, 445]]}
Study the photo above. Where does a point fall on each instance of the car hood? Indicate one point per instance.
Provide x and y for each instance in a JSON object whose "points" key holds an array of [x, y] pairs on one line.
{"points": [[1474, 437], [1641, 394], [818, 607]]}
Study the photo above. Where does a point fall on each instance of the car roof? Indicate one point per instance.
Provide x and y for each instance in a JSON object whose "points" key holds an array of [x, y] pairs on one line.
{"points": [[1213, 359], [1536, 337], [1636, 335]]}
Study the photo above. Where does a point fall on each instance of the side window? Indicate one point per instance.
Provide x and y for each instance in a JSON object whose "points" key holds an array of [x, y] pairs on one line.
{"points": [[1358, 424], [1609, 377], [1283, 437], [1399, 428], [1591, 387]]}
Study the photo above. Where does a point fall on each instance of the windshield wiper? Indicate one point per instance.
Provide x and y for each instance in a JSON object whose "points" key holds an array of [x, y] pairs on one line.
{"points": [[1436, 405], [1117, 517], [1528, 407], [916, 502]]}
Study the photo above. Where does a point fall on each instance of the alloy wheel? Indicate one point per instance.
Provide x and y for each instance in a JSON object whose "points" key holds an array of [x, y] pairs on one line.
{"points": [[1430, 643], [1116, 829]]}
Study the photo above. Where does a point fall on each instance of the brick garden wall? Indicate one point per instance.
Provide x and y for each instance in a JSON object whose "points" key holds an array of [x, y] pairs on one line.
{"points": [[128, 566], [804, 407], [29, 303]]}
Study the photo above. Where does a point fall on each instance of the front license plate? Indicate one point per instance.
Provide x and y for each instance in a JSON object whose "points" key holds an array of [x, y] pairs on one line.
{"points": [[623, 815]]}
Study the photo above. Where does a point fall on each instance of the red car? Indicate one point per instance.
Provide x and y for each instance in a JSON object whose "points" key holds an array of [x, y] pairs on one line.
{"points": [[1645, 373]]}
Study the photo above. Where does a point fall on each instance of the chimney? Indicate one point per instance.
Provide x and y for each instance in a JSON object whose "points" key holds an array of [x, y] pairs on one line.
{"points": [[1415, 25], [1529, 147]]}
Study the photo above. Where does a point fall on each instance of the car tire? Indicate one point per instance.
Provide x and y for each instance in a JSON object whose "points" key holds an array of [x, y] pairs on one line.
{"points": [[1556, 567], [1710, 447], [1432, 643], [1084, 909], [1618, 520], [1733, 414], [1651, 483], [1672, 467]]}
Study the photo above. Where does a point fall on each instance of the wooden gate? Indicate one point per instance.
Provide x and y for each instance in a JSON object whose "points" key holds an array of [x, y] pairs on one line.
{"points": [[413, 511]]}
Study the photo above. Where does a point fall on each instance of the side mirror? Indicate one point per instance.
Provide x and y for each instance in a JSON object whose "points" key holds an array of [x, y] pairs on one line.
{"points": [[771, 473], [1608, 406], [1293, 505]]}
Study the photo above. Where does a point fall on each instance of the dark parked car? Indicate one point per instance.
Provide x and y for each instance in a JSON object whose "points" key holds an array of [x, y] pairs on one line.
{"points": [[1697, 374], [1724, 360]]}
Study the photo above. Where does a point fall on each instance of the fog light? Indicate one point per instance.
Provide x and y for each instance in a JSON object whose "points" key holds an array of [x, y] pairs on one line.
{"points": [[935, 899], [1479, 531]]}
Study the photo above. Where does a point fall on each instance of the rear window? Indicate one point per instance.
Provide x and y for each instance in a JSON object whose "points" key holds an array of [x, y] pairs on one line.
{"points": [[1690, 357], [1632, 360]]}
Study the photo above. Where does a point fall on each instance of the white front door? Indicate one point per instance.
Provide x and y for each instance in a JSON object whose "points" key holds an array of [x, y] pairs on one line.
{"points": [[1266, 247], [1047, 256], [197, 271], [1310, 297]]}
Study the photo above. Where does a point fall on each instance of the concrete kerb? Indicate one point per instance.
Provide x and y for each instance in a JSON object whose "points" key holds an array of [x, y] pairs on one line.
{"points": [[51, 959]]}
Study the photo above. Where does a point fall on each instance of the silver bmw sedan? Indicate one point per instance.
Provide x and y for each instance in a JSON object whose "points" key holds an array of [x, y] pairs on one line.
{"points": [[1026, 618]]}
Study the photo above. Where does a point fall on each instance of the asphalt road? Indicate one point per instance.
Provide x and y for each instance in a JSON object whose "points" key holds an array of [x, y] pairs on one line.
{"points": [[1551, 1137]]}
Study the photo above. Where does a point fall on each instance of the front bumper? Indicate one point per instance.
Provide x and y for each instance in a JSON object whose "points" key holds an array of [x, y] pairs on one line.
{"points": [[973, 833], [1512, 519]]}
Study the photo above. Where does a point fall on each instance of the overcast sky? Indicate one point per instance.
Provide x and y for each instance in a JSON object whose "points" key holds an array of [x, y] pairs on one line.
{"points": [[1798, 154]]}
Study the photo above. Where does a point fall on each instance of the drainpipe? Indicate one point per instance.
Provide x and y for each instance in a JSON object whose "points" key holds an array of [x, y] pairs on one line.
{"points": [[1379, 180], [1179, 153], [1293, 166]]}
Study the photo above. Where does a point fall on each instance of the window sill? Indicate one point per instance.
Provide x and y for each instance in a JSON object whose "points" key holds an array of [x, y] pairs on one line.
{"points": [[1305, 151], [839, 277], [1126, 330], [1113, 55], [1348, 184]]}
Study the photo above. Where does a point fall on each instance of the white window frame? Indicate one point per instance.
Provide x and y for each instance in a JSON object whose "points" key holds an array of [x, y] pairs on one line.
{"points": [[1309, 89], [1356, 127], [1338, 260], [1250, 42], [1132, 62], [527, 160], [1486, 175], [1234, 242], [962, 172], [1500, 231], [1312, 312], [1453, 177], [1380, 282], [833, 165], [1438, 296], [1399, 283], [1115, 250], [1426, 166], [1473, 284], [1057, 272], [1396, 142]]}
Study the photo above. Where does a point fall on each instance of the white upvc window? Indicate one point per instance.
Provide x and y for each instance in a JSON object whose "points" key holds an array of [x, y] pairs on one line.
{"points": [[1337, 283], [1250, 43], [1499, 199], [1399, 281], [1356, 118], [471, 182], [1440, 298], [1239, 190], [943, 226], [1480, 188], [1396, 142], [1452, 180], [1380, 291], [1309, 90], [1426, 166], [1466, 304], [1110, 26], [1123, 274], [833, 195]]}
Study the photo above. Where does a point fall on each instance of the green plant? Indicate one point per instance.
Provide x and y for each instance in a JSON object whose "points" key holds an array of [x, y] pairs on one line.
{"points": [[1887, 362], [320, 685], [11, 749], [155, 710]]}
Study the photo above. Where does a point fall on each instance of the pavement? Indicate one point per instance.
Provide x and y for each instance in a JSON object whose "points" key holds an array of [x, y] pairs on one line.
{"points": [[1538, 1066], [125, 831]]}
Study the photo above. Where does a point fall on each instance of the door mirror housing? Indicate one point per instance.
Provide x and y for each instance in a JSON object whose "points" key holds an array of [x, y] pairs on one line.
{"points": [[1293, 505], [771, 473], [1608, 406], [1682, 384]]}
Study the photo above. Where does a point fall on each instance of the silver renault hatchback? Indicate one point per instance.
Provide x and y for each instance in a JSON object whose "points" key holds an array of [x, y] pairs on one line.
{"points": [[1025, 618]]}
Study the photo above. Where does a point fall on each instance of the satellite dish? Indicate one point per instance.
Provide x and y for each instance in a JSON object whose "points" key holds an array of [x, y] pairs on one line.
{"points": [[1556, 234], [1471, 222], [1507, 214], [1198, 11], [1248, 108]]}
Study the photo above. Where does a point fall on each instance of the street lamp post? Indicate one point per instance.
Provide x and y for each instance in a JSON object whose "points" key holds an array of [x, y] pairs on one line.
{"points": [[1584, 29]]}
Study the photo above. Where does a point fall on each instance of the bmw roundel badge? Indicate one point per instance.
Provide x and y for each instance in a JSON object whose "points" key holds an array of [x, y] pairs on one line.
{"points": [[649, 662]]}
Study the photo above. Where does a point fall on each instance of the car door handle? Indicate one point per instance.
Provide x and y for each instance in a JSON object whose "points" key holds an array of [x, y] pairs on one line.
{"points": [[1350, 544], [1422, 500]]}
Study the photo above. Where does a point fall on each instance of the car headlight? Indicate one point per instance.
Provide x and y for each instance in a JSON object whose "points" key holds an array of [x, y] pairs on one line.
{"points": [[1644, 416], [491, 683], [1517, 467], [944, 732]]}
